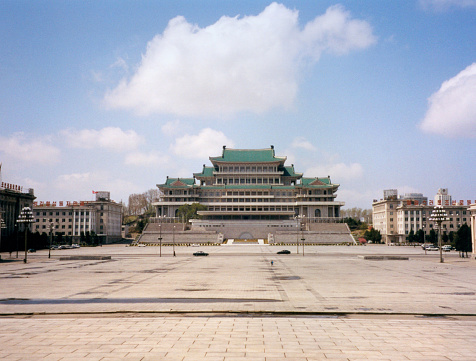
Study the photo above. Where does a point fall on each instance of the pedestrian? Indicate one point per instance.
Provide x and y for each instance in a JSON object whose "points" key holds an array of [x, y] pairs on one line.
{"points": [[272, 263]]}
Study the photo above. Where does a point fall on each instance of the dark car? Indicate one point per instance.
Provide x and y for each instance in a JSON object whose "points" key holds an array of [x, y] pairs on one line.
{"points": [[32, 250], [284, 251], [200, 253]]}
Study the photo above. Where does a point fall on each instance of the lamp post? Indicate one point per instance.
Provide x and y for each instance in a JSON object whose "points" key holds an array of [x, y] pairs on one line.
{"points": [[173, 239], [297, 234], [51, 227], [160, 240], [26, 217], [298, 218], [439, 216], [2, 227]]}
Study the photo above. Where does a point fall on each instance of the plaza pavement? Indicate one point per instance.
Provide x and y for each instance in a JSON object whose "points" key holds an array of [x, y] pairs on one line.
{"points": [[234, 304]]}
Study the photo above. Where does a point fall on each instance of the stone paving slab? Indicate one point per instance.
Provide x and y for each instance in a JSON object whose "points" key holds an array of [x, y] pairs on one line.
{"points": [[236, 338]]}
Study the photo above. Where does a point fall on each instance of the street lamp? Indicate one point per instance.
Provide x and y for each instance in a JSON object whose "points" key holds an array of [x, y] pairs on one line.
{"points": [[297, 234], [26, 217], [298, 218], [160, 240], [51, 227], [2, 227], [173, 239], [439, 216]]}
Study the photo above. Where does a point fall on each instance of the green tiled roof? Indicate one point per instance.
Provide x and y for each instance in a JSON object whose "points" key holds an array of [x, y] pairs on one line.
{"points": [[206, 172], [248, 156], [289, 172], [178, 182], [317, 181]]}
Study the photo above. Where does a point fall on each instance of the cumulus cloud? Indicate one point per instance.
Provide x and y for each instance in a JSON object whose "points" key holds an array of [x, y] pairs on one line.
{"points": [[338, 171], [303, 143], [202, 145], [248, 63], [111, 138], [440, 5], [80, 185], [452, 109], [22, 148], [140, 159], [171, 128], [360, 198]]}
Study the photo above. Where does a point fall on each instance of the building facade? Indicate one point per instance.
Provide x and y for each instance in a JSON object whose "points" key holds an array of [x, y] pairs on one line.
{"points": [[396, 216], [251, 186], [12, 199], [102, 216]]}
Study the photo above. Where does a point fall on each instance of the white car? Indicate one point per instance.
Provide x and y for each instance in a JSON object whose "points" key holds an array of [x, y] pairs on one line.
{"points": [[432, 248]]}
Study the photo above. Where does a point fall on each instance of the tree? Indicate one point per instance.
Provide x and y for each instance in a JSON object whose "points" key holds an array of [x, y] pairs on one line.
{"points": [[420, 236], [432, 237], [373, 235], [190, 211], [411, 236], [462, 240], [87, 236], [59, 238], [351, 222], [139, 204], [445, 238]]}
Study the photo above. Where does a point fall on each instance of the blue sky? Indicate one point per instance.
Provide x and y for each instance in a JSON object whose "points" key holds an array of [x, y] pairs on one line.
{"points": [[118, 95]]}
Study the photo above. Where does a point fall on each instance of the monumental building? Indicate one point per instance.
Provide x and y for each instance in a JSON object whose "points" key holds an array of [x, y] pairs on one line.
{"points": [[102, 216], [251, 194], [395, 216]]}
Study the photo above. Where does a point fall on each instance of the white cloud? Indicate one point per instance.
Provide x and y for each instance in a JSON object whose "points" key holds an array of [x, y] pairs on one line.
{"points": [[111, 138], [140, 159], [338, 171], [336, 32], [79, 186], [440, 5], [171, 128], [301, 142], [21, 148], [238, 64], [207, 142], [121, 64], [452, 109], [355, 198]]}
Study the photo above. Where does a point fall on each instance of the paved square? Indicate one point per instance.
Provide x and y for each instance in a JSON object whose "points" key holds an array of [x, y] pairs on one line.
{"points": [[234, 304]]}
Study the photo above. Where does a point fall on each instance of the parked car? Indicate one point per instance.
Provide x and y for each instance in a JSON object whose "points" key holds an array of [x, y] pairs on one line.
{"points": [[32, 250], [284, 251], [200, 253], [447, 248]]}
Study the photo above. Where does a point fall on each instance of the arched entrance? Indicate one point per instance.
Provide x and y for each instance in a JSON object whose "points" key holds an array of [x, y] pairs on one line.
{"points": [[246, 235]]}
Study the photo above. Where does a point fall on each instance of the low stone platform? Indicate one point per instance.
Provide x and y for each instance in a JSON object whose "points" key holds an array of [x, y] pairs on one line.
{"points": [[84, 258], [382, 258]]}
